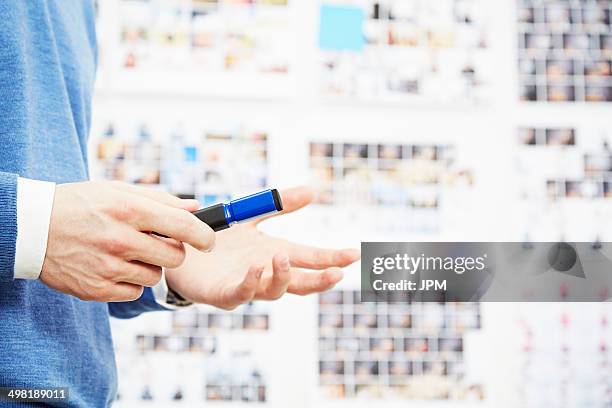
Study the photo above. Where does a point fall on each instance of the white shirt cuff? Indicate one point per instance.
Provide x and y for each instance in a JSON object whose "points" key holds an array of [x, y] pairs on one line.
{"points": [[160, 292], [34, 206]]}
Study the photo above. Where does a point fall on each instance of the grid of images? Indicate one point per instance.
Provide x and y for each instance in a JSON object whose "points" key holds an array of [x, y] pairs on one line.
{"points": [[200, 341], [391, 188], [559, 365], [417, 51], [565, 50], [220, 36], [395, 175], [201, 164], [563, 171], [595, 180], [394, 350], [547, 137]]}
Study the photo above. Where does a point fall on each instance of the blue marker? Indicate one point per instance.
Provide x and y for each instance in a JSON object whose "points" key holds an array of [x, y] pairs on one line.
{"points": [[222, 216]]}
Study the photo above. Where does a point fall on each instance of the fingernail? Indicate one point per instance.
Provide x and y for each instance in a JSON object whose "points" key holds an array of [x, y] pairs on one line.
{"points": [[259, 273]]}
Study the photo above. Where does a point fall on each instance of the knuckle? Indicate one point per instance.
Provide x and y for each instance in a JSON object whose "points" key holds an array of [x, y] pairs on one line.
{"points": [[111, 269], [205, 235], [115, 245], [102, 293], [245, 294], [134, 293], [275, 295], [86, 296], [153, 278], [114, 293], [324, 281], [302, 292], [228, 308], [176, 257], [123, 210], [92, 289], [188, 222]]}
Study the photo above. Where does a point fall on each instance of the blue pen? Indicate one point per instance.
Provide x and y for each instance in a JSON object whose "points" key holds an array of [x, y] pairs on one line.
{"points": [[222, 216]]}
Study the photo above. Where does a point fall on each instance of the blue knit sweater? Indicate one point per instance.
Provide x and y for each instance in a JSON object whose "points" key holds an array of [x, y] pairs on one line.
{"points": [[47, 69]]}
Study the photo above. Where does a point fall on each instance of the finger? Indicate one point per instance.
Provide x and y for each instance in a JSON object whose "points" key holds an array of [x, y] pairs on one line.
{"points": [[279, 281], [303, 256], [159, 196], [245, 291], [305, 283], [138, 273], [125, 292], [292, 199], [172, 223], [153, 250]]}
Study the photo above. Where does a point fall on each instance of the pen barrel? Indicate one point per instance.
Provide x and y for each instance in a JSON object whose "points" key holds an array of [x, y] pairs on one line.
{"points": [[222, 216], [214, 217], [253, 206]]}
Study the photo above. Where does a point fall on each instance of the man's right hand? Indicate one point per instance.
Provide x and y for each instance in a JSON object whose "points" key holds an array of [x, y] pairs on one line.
{"points": [[100, 247]]}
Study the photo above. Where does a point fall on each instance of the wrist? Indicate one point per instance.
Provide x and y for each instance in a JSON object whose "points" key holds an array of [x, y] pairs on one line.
{"points": [[174, 284]]}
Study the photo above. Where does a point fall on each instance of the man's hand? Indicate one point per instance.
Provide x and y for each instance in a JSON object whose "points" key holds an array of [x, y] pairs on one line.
{"points": [[99, 245], [247, 264]]}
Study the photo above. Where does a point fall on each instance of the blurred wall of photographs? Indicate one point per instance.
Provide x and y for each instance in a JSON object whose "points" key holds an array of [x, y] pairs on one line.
{"points": [[388, 177], [208, 164], [204, 36], [194, 356], [413, 120], [407, 50], [565, 50], [563, 170], [395, 350]]}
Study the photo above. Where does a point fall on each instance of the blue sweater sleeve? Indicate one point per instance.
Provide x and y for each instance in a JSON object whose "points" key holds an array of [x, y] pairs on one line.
{"points": [[8, 225], [127, 310]]}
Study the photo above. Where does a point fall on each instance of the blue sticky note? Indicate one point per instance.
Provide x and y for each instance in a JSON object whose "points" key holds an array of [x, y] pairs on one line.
{"points": [[341, 28], [191, 154]]}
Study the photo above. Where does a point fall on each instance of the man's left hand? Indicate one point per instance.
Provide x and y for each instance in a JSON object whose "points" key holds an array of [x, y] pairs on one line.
{"points": [[247, 264]]}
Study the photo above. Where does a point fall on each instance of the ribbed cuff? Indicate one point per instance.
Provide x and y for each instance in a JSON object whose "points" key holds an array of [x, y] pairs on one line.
{"points": [[8, 225]]}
